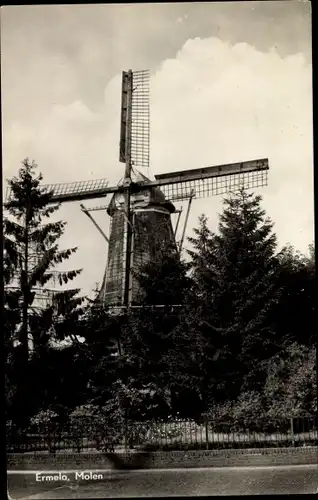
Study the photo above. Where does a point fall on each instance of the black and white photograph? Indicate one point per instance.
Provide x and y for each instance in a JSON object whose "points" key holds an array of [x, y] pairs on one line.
{"points": [[158, 249]]}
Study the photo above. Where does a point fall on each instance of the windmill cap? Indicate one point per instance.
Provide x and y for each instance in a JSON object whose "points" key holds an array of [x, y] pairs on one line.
{"points": [[155, 195]]}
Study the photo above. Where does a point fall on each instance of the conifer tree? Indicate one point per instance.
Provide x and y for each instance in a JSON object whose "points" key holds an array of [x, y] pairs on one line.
{"points": [[234, 273], [31, 254]]}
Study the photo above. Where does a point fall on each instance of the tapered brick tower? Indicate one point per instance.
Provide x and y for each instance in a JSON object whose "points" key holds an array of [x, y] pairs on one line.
{"points": [[151, 228]]}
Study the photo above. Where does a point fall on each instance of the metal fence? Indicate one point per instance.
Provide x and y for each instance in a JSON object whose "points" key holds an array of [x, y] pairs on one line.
{"points": [[154, 435]]}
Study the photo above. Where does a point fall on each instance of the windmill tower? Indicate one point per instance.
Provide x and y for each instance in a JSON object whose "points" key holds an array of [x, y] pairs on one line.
{"points": [[140, 209]]}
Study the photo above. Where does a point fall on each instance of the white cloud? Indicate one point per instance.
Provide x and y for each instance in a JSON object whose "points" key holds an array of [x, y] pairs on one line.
{"points": [[216, 104], [213, 103]]}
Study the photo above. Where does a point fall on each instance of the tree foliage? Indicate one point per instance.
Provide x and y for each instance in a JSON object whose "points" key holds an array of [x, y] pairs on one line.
{"points": [[236, 295], [31, 254], [158, 347], [229, 333], [291, 383], [296, 317]]}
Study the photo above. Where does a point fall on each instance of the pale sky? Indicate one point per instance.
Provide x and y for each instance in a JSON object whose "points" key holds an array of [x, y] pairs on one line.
{"points": [[230, 82]]}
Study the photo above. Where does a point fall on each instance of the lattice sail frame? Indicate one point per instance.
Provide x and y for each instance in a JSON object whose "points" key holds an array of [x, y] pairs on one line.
{"points": [[140, 119], [81, 190], [215, 185], [213, 181]]}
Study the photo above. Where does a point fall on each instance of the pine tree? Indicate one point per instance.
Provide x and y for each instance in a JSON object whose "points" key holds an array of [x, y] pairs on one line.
{"points": [[31, 254], [234, 273], [204, 245]]}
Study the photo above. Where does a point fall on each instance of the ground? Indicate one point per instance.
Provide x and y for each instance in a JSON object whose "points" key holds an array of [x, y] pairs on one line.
{"points": [[143, 483]]}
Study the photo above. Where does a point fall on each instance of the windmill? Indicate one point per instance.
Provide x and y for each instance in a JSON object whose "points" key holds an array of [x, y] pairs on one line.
{"points": [[140, 209]]}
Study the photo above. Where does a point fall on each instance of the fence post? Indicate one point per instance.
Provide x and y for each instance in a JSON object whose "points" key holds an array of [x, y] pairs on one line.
{"points": [[206, 433], [292, 431], [126, 431]]}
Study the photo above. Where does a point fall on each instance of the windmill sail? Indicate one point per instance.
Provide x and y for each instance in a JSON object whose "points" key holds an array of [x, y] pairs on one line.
{"points": [[216, 180], [134, 144], [140, 125], [73, 191]]}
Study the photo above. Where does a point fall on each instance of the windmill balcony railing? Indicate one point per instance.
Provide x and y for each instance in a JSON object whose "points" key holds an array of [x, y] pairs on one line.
{"points": [[159, 435]]}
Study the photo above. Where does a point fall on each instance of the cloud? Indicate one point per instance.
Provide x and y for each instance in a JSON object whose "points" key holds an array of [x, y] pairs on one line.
{"points": [[212, 103], [216, 103]]}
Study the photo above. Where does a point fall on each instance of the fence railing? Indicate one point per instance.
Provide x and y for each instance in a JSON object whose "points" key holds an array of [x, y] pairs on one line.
{"points": [[154, 435]]}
